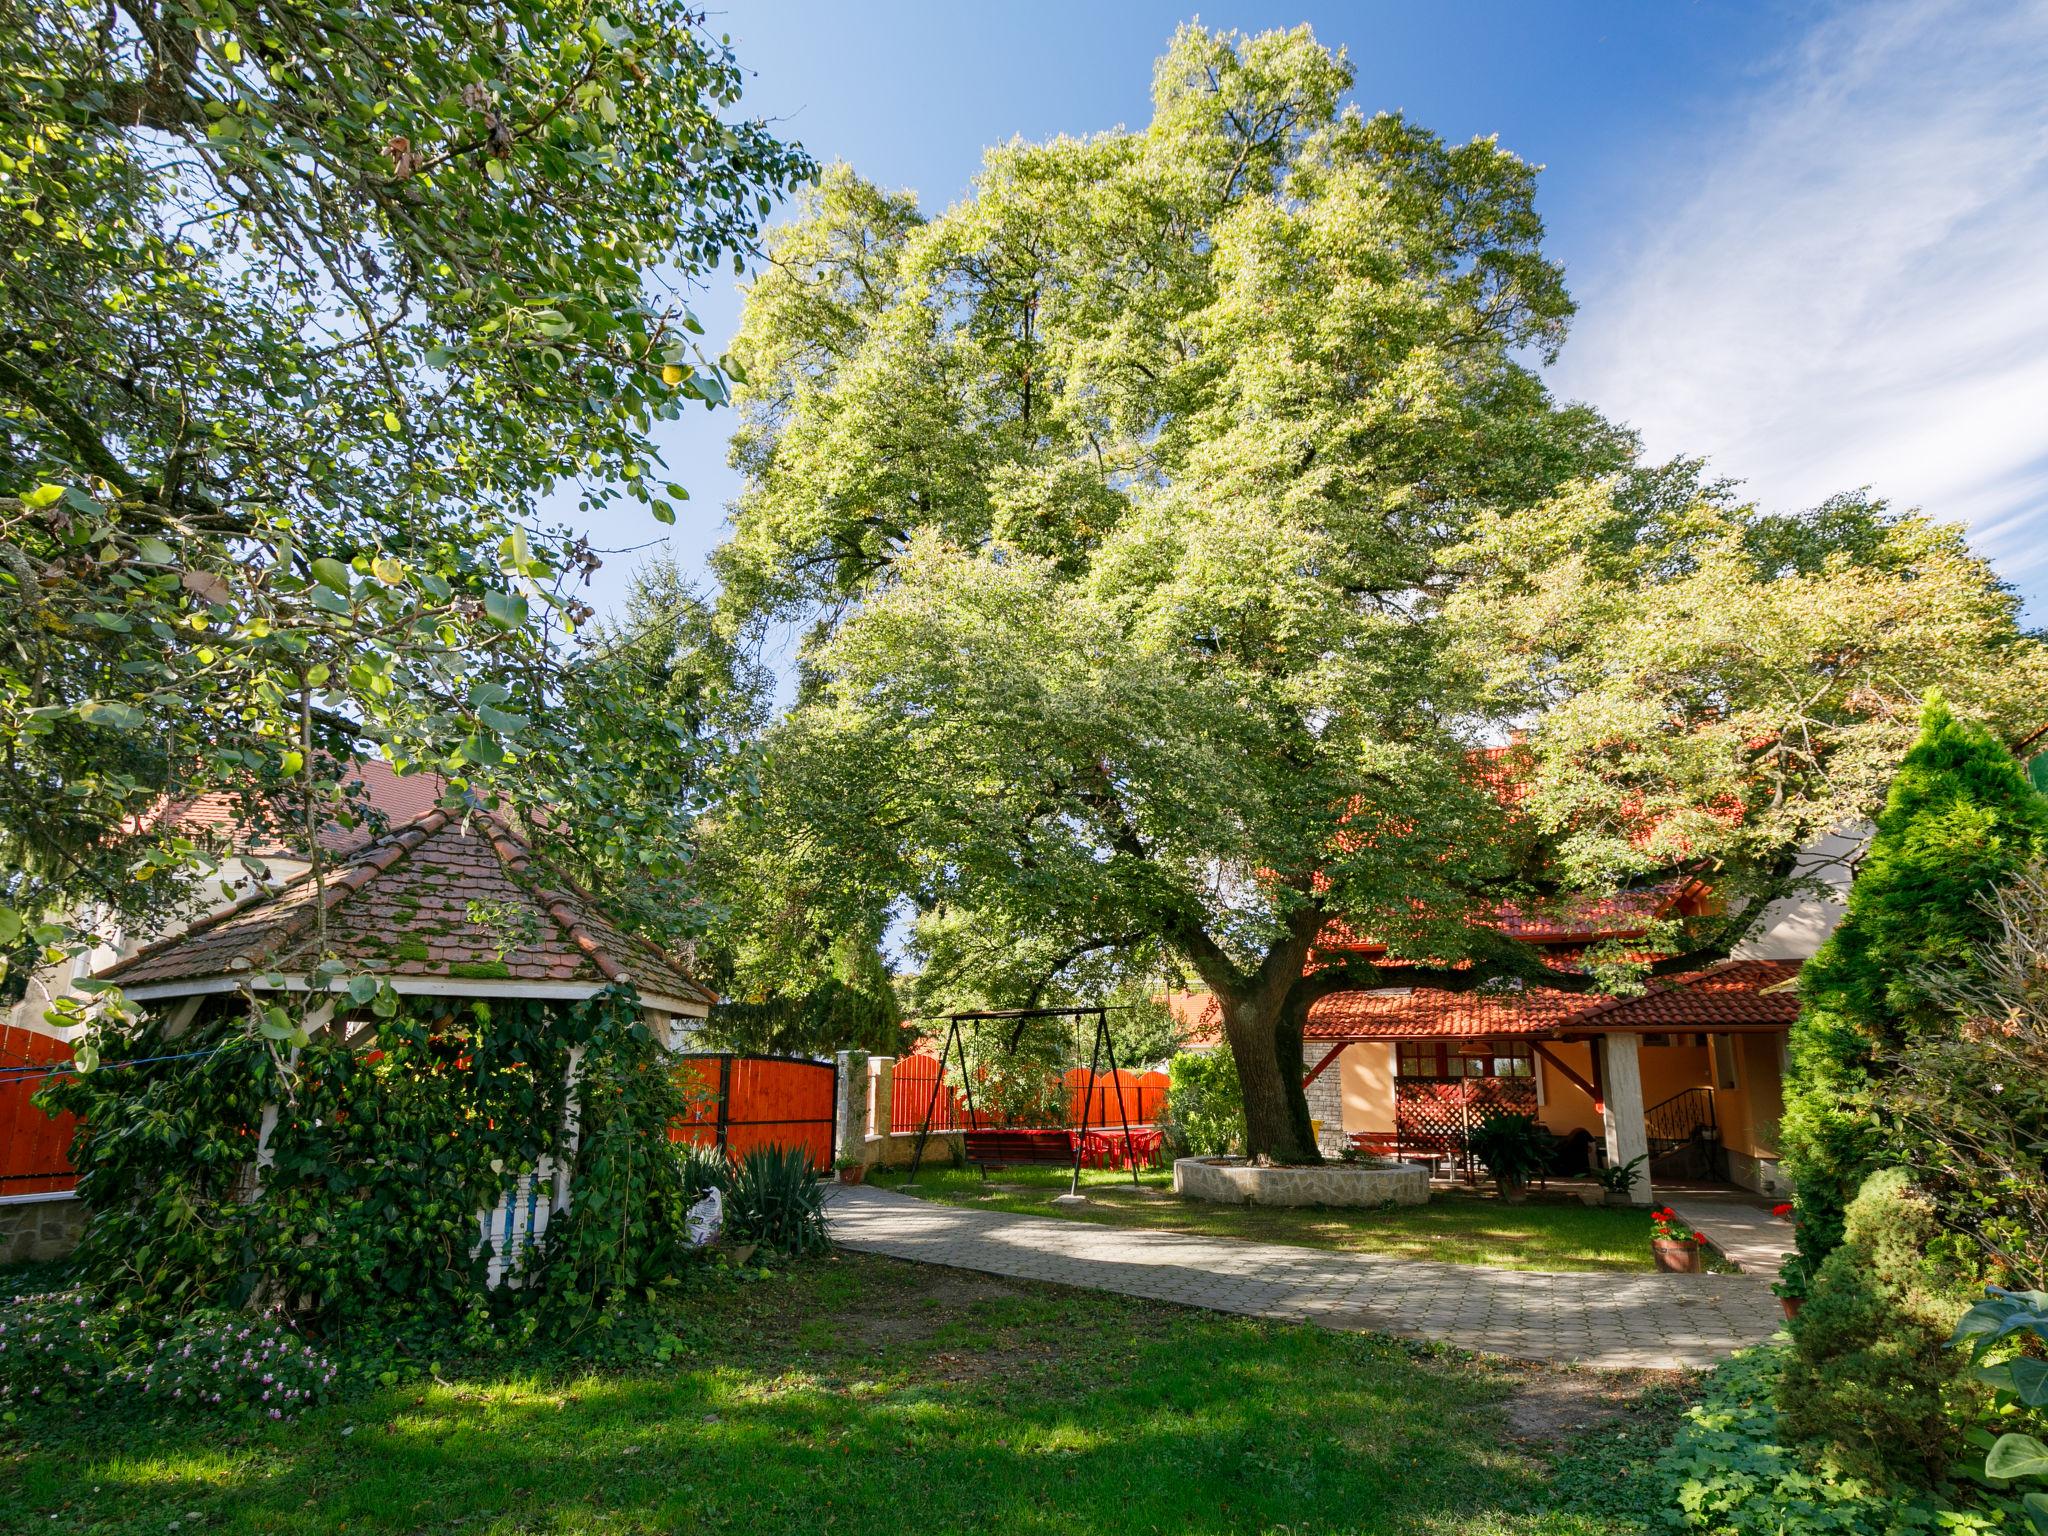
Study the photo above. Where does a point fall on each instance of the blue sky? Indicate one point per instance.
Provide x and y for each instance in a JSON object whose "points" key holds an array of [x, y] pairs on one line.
{"points": [[1807, 242]]}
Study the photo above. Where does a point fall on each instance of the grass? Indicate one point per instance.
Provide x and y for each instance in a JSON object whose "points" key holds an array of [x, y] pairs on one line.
{"points": [[1455, 1228], [859, 1395]]}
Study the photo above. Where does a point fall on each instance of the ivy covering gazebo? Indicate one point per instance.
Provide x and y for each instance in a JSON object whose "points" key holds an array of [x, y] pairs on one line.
{"points": [[388, 1082]]}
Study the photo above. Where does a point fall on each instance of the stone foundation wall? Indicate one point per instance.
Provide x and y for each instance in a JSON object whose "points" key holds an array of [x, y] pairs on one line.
{"points": [[1325, 1096], [944, 1149], [37, 1230]]}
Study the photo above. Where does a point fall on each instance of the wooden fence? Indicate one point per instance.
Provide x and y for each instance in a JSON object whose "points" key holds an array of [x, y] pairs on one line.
{"points": [[761, 1101], [35, 1148], [1144, 1096]]}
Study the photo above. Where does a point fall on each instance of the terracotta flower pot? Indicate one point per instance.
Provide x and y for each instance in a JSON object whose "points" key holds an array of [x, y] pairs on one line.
{"points": [[1791, 1306], [852, 1175], [1674, 1257]]}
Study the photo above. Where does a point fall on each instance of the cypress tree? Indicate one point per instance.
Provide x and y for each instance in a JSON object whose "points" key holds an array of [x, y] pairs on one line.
{"points": [[1961, 819]]}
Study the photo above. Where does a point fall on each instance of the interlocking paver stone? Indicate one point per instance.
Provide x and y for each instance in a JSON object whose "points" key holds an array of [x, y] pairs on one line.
{"points": [[1608, 1321]]}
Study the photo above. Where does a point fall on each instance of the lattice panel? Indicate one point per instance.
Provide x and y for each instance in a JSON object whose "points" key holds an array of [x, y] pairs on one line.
{"points": [[1425, 1107]]}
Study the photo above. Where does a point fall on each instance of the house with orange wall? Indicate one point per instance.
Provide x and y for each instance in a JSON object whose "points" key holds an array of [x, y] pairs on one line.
{"points": [[1687, 1075]]}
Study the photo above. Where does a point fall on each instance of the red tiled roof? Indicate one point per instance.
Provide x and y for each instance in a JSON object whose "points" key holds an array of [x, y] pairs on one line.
{"points": [[221, 817], [1428, 1014], [1736, 992], [1730, 995], [437, 898]]}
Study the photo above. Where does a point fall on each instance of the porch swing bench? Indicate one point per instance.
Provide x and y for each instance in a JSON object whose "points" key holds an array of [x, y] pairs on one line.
{"points": [[1013, 1147]]}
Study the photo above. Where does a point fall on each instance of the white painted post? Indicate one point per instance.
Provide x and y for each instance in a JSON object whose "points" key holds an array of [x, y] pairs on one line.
{"points": [[1621, 1084], [849, 1136], [317, 1018], [572, 1128]]}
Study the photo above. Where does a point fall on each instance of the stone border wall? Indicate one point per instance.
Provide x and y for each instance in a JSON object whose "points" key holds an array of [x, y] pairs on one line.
{"points": [[37, 1230], [1228, 1181]]}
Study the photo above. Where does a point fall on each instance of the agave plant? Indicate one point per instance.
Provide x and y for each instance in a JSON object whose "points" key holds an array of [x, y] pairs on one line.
{"points": [[773, 1198]]}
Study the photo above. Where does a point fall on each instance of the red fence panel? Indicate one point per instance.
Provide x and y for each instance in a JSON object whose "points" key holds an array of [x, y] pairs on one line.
{"points": [[762, 1101], [35, 1149]]}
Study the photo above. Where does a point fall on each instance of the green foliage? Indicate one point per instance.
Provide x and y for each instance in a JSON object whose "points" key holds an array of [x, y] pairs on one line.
{"points": [[1974, 1099], [54, 1348], [1996, 1330], [1620, 1178], [229, 1362], [1735, 1471], [774, 1198], [1181, 509], [1959, 821], [1870, 1380], [1514, 1147], [832, 1016], [383, 1152], [624, 1232], [1204, 1103], [302, 341]]}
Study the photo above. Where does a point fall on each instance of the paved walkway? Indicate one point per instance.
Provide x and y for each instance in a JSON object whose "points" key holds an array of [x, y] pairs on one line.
{"points": [[1607, 1320], [1738, 1224]]}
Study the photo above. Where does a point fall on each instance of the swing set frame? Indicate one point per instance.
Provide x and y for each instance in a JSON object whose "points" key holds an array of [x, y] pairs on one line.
{"points": [[956, 1044]]}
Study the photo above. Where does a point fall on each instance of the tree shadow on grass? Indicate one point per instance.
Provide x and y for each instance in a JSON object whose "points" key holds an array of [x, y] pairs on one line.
{"points": [[1018, 1409]]}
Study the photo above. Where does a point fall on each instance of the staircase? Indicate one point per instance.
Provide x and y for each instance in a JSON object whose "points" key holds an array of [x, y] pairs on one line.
{"points": [[1685, 1137]]}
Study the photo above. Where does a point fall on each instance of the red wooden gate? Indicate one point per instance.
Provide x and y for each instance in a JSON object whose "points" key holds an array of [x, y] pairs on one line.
{"points": [[762, 1101], [34, 1148]]}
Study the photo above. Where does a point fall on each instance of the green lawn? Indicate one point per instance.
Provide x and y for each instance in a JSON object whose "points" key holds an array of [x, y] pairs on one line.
{"points": [[863, 1395], [1457, 1228]]}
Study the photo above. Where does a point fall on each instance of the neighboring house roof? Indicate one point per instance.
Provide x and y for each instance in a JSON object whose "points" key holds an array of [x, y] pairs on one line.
{"points": [[443, 903], [1735, 995], [392, 798]]}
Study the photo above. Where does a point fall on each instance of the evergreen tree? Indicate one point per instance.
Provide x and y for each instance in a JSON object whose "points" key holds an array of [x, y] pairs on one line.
{"points": [[1961, 820]]}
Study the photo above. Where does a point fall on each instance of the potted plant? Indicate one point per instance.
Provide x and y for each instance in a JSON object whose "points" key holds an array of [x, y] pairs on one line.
{"points": [[1514, 1148], [1613, 1185], [851, 1170], [1793, 1275], [1675, 1245]]}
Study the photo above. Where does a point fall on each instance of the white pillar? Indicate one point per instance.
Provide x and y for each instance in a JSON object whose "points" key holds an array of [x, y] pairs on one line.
{"points": [[881, 1098], [572, 1128], [849, 1136], [1621, 1091]]}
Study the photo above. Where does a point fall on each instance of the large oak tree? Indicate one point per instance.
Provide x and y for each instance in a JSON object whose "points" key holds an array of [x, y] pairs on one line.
{"points": [[1177, 516]]}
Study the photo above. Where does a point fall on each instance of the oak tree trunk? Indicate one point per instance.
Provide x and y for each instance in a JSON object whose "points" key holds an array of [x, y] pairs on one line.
{"points": [[1264, 1035]]}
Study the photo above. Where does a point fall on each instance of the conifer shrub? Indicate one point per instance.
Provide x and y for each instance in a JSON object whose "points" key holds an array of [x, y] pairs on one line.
{"points": [[1959, 822], [1870, 1380]]}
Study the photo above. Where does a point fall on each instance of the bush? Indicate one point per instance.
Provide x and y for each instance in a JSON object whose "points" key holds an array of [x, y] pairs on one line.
{"points": [[1960, 821], [1204, 1113], [230, 1362], [1734, 1471], [53, 1349], [774, 1198], [1871, 1379], [1513, 1147]]}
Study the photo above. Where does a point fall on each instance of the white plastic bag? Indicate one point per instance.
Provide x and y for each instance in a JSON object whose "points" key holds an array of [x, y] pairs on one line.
{"points": [[706, 1219]]}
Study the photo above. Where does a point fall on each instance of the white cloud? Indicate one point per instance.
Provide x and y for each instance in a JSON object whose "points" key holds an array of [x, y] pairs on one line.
{"points": [[1849, 284]]}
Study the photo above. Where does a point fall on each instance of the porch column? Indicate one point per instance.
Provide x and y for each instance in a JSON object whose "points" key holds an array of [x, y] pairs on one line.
{"points": [[1621, 1111]]}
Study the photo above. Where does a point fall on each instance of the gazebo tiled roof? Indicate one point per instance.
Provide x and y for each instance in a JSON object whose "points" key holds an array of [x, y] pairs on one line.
{"points": [[219, 816], [444, 902]]}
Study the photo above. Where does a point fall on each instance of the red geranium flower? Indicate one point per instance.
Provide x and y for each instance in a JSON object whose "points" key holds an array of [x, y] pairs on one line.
{"points": [[1784, 1210]]}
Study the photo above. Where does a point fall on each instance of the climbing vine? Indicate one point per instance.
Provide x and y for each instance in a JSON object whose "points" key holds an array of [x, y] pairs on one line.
{"points": [[343, 1180]]}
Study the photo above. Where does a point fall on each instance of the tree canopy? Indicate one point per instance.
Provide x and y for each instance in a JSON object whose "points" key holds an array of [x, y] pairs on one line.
{"points": [[308, 308], [1181, 517]]}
